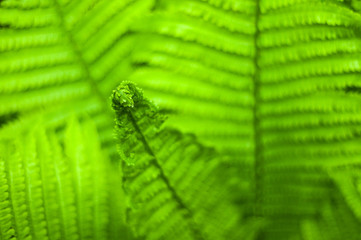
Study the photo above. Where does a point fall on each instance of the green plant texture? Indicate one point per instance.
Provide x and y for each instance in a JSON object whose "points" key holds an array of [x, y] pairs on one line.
{"points": [[180, 119]]}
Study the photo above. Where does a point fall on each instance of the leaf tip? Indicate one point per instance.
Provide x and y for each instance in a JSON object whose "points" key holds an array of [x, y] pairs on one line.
{"points": [[126, 95]]}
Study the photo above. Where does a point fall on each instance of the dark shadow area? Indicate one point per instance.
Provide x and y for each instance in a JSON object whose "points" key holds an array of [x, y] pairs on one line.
{"points": [[4, 119], [352, 89]]}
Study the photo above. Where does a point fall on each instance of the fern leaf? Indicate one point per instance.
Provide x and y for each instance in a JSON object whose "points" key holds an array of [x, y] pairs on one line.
{"points": [[48, 192], [274, 84], [170, 179], [55, 55], [283, 73]]}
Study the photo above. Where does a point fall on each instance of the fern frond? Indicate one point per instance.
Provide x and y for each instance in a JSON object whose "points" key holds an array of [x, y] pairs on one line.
{"points": [[271, 84], [56, 54], [288, 81], [348, 183], [53, 192], [170, 179]]}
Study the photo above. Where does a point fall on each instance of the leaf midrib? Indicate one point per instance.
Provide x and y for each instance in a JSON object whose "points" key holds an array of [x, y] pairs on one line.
{"points": [[258, 168], [83, 64], [188, 213]]}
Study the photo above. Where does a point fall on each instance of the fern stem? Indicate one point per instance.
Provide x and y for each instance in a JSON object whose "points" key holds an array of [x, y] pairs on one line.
{"points": [[188, 212], [83, 64], [28, 197], [10, 183], [258, 169], [45, 198], [61, 193]]}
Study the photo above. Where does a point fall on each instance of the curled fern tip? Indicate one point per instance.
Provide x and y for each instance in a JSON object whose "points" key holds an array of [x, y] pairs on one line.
{"points": [[126, 95]]}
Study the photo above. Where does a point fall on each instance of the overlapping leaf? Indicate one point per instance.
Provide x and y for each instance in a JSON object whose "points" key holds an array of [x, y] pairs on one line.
{"points": [[172, 181], [53, 190], [63, 57], [275, 84]]}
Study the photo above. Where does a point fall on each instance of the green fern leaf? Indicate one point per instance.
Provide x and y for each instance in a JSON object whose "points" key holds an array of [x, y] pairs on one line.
{"points": [[170, 179], [274, 84], [51, 192], [63, 57]]}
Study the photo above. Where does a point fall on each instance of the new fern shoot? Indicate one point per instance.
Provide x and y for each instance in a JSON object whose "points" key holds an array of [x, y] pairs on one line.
{"points": [[170, 178]]}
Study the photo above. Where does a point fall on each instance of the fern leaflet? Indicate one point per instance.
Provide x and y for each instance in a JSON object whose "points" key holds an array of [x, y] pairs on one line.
{"points": [[51, 192], [170, 179]]}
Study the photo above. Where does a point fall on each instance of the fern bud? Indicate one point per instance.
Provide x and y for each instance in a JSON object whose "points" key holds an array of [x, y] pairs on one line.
{"points": [[125, 95]]}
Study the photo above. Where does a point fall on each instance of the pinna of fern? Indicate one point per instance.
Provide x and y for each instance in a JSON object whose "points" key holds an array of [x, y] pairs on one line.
{"points": [[175, 187], [278, 90], [58, 190], [172, 182], [63, 57]]}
